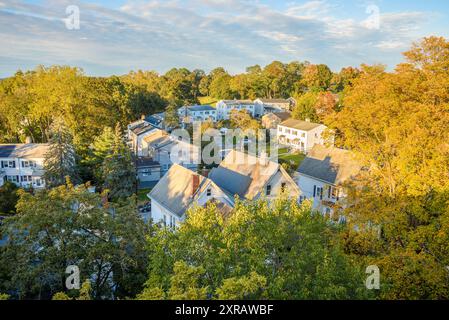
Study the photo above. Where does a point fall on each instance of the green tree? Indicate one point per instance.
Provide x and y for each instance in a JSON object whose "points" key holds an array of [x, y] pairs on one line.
{"points": [[306, 107], [100, 149], [71, 226], [118, 170], [395, 123], [172, 116], [257, 251], [8, 198], [60, 160]]}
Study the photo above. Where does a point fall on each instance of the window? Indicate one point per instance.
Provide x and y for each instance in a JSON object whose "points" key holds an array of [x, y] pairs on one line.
{"points": [[287, 131], [26, 179], [209, 192], [317, 192], [38, 182], [303, 135], [280, 129], [165, 220], [8, 164], [295, 133], [268, 191], [14, 179], [283, 186]]}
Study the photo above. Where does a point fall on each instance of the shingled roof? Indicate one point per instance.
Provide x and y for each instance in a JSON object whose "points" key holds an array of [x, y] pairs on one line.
{"points": [[300, 125], [332, 165], [243, 175], [29, 150]]}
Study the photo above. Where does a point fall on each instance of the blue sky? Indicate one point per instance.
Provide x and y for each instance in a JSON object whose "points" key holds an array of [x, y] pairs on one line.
{"points": [[117, 36]]}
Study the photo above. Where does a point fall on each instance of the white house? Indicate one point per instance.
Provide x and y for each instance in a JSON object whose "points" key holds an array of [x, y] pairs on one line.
{"points": [[148, 172], [239, 174], [22, 164], [251, 177], [275, 105], [180, 189], [224, 108], [322, 174], [301, 135], [188, 114], [167, 149], [137, 131]]}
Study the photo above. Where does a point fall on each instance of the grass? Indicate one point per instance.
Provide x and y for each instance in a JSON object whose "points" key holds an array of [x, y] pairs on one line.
{"points": [[208, 101], [292, 158], [142, 196]]}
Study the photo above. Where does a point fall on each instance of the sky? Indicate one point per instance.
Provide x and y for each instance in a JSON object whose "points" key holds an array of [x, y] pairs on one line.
{"points": [[117, 36]]}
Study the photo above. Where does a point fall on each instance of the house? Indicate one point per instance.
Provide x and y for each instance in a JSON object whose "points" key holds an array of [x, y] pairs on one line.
{"points": [[275, 105], [157, 120], [148, 172], [137, 131], [188, 114], [23, 164], [322, 174], [242, 175], [167, 149], [224, 108], [300, 135], [252, 178], [180, 189], [272, 120]]}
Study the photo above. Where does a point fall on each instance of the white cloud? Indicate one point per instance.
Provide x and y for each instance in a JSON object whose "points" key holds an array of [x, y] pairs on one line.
{"points": [[199, 34]]}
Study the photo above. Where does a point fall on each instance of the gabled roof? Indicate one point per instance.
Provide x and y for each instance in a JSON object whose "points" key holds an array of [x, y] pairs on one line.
{"points": [[175, 190], [146, 162], [238, 102], [243, 175], [142, 128], [300, 125], [29, 150], [157, 138], [155, 119], [281, 115], [201, 108], [332, 165], [274, 100]]}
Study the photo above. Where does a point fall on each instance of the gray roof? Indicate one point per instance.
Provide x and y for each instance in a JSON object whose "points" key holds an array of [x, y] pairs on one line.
{"points": [[332, 165], [299, 124], [281, 115], [174, 190], [142, 128], [30, 150], [243, 175], [201, 108], [275, 101], [155, 119], [145, 162], [239, 102]]}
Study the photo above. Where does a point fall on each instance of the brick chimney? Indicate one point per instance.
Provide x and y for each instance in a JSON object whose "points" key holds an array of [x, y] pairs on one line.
{"points": [[195, 183], [142, 117], [28, 140]]}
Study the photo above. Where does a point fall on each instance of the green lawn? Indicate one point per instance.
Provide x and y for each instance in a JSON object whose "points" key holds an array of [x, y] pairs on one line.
{"points": [[294, 159], [142, 196], [208, 101]]}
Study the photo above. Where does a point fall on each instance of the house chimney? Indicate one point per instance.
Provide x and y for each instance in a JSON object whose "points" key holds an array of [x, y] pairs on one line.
{"points": [[195, 183], [307, 119], [28, 140], [142, 117]]}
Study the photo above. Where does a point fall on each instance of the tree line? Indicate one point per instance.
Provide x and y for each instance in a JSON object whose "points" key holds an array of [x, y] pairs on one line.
{"points": [[397, 210]]}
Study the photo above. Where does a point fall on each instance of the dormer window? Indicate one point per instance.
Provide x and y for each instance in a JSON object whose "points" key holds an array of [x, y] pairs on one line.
{"points": [[268, 191]]}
